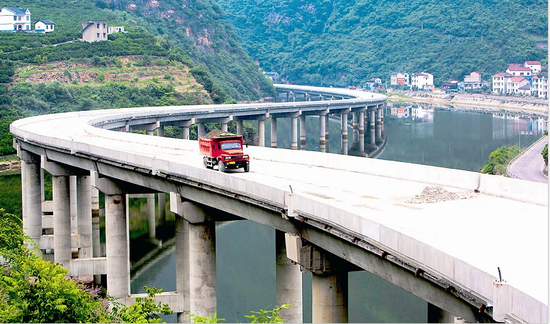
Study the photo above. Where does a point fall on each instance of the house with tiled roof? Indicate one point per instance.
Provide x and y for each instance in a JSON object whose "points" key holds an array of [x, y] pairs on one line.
{"points": [[535, 66], [44, 26], [15, 19], [473, 81], [518, 85], [519, 70]]}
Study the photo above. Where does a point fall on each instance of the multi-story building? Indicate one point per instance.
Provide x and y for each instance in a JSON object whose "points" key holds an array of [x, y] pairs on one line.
{"points": [[473, 81], [94, 31], [519, 70], [534, 66], [518, 85], [422, 81], [499, 82], [15, 19], [398, 78], [539, 86]]}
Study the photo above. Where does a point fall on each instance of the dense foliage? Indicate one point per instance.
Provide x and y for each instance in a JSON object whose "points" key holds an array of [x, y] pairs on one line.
{"points": [[33, 290], [499, 159], [341, 42]]}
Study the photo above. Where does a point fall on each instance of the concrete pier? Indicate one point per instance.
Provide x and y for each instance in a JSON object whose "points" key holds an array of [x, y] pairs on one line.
{"points": [[302, 132], [361, 129], [84, 215], [327, 127], [61, 219], [117, 238], [240, 126], [372, 120], [344, 131], [294, 132], [379, 125], [273, 132], [322, 131], [289, 282], [330, 297], [32, 197], [261, 132]]}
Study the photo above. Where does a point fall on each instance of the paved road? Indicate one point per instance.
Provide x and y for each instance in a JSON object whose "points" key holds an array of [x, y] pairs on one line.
{"points": [[529, 165]]}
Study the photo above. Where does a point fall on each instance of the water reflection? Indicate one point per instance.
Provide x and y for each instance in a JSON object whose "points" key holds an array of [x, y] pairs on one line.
{"points": [[417, 133]]}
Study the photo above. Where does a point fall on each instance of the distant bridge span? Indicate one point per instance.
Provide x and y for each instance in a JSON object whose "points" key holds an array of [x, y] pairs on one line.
{"points": [[339, 213]]}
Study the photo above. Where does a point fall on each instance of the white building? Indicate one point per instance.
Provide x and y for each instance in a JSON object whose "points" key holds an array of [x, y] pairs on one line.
{"points": [[398, 78], [94, 31], [422, 81], [518, 85], [473, 81], [15, 19], [518, 70], [534, 66], [539, 86], [499, 82], [44, 26]]}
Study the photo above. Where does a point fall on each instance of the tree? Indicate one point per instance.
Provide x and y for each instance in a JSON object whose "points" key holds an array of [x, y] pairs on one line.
{"points": [[33, 290], [544, 154]]}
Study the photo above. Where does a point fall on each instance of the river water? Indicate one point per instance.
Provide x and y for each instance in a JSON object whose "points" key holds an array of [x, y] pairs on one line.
{"points": [[425, 135]]}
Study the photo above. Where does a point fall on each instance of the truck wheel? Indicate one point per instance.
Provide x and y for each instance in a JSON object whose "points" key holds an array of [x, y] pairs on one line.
{"points": [[205, 161], [247, 167], [221, 166]]}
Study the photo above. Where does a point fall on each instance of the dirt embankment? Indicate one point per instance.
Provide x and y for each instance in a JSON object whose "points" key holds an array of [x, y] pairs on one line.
{"points": [[124, 69], [526, 105]]}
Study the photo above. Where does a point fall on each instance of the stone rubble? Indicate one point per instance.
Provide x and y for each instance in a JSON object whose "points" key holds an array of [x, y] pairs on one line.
{"points": [[434, 194]]}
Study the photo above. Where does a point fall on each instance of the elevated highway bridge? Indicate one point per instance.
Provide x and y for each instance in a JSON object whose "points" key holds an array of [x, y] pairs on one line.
{"points": [[473, 246]]}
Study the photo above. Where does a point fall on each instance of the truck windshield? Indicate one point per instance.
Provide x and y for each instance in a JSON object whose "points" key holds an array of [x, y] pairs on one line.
{"points": [[231, 146]]}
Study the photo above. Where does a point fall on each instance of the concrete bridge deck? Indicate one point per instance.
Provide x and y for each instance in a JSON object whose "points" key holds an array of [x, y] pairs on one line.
{"points": [[497, 222]]}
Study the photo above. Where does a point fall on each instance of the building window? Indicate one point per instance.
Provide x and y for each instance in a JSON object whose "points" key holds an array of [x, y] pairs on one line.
{"points": [[97, 26], [104, 35], [97, 35], [104, 26], [27, 18]]}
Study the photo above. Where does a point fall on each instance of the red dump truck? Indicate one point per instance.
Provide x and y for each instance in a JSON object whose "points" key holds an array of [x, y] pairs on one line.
{"points": [[224, 150]]}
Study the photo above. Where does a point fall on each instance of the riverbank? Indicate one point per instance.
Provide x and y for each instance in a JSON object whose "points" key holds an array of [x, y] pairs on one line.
{"points": [[476, 102]]}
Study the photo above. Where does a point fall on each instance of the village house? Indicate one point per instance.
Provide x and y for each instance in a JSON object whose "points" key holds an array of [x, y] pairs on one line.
{"points": [[397, 78], [422, 81], [44, 26], [98, 30], [519, 70], [534, 66], [15, 19], [473, 81], [539, 86], [373, 84], [499, 82]]}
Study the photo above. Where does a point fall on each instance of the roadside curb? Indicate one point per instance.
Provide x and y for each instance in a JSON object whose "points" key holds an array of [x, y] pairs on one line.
{"points": [[510, 174]]}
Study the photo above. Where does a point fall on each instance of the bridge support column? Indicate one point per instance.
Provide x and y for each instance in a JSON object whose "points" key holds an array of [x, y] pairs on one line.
{"points": [[84, 215], [372, 120], [302, 132], [117, 238], [344, 131], [294, 132], [31, 183], [185, 132], [289, 282], [438, 315], [224, 127], [240, 126], [379, 125], [355, 127], [322, 131], [361, 127], [261, 132], [151, 211], [195, 257], [61, 212], [327, 127], [330, 297], [74, 209], [273, 132], [200, 129]]}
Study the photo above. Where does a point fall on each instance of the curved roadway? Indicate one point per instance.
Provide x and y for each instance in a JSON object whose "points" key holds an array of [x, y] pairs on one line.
{"points": [[530, 164], [504, 225]]}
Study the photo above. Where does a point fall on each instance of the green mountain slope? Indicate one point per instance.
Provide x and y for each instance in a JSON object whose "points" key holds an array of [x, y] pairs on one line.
{"points": [[195, 27], [342, 42]]}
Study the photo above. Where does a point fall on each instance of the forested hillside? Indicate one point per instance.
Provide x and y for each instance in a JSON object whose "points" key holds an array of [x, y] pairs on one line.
{"points": [[346, 42], [195, 27]]}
